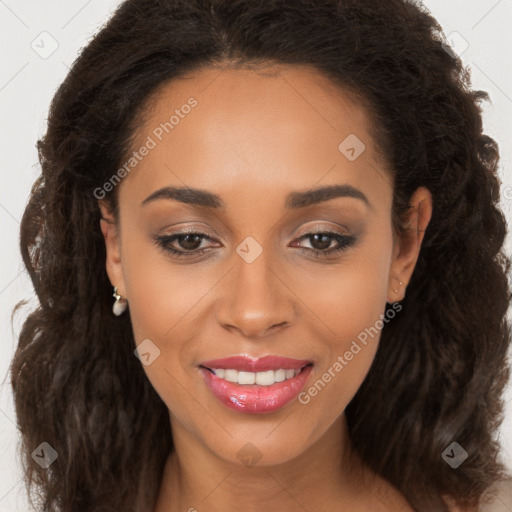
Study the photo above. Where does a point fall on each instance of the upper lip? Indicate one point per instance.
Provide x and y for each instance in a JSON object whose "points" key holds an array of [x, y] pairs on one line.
{"points": [[261, 364]]}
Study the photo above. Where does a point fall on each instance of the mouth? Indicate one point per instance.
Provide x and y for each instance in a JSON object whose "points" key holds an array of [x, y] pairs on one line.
{"points": [[265, 378], [255, 386]]}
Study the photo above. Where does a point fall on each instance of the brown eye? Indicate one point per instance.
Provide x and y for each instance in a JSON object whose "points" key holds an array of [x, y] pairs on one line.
{"points": [[182, 244], [189, 242], [321, 242]]}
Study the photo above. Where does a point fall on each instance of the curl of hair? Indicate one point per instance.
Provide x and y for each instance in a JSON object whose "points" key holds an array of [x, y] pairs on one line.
{"points": [[441, 365]]}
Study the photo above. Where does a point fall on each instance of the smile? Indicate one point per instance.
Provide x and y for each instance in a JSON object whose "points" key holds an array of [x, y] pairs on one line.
{"points": [[236, 384]]}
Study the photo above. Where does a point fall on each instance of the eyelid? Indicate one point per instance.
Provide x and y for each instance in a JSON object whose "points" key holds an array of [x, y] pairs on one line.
{"points": [[321, 228], [200, 230]]}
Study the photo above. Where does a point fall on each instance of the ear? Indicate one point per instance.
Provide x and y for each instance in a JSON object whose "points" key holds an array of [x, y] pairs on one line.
{"points": [[407, 247], [109, 228]]}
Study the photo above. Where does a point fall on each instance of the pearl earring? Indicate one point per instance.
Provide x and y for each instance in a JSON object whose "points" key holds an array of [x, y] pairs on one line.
{"points": [[120, 304], [396, 291]]}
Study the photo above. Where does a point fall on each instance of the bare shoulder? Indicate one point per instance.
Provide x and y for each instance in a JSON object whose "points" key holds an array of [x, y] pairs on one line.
{"points": [[456, 508], [498, 498], [388, 498]]}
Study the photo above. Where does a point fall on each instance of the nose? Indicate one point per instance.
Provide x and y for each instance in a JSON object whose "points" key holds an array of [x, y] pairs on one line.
{"points": [[256, 301]]}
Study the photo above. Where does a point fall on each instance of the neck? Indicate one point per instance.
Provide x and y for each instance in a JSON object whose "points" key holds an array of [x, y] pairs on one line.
{"points": [[195, 478]]}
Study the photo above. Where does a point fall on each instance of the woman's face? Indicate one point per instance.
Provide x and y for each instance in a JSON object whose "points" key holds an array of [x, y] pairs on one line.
{"points": [[257, 281]]}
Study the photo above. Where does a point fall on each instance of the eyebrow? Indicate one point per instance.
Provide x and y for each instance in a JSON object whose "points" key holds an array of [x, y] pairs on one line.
{"points": [[294, 200]]}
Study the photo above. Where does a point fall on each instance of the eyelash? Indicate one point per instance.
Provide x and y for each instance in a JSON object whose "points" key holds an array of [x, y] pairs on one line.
{"points": [[164, 241]]}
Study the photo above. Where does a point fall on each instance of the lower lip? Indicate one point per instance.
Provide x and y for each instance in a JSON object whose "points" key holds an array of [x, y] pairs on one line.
{"points": [[255, 399]]}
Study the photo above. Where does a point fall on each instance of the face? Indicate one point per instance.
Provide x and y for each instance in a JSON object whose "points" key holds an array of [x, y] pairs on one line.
{"points": [[259, 262]]}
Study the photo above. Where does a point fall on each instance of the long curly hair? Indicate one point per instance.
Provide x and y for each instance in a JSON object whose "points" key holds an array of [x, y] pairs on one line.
{"points": [[441, 365]]}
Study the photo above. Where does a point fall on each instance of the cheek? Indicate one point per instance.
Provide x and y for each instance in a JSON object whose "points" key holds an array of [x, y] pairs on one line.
{"points": [[164, 299], [161, 301], [350, 296], [350, 306], [160, 293]]}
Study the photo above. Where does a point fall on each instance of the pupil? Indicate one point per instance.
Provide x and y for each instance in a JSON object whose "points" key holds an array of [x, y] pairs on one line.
{"points": [[186, 241], [326, 240]]}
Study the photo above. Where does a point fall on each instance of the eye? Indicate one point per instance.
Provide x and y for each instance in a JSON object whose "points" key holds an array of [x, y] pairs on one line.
{"points": [[322, 242], [189, 243]]}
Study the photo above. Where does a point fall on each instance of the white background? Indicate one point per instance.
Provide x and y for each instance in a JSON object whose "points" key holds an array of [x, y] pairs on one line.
{"points": [[28, 82]]}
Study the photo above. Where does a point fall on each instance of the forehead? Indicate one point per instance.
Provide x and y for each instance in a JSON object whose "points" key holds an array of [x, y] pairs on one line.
{"points": [[258, 127], [279, 95]]}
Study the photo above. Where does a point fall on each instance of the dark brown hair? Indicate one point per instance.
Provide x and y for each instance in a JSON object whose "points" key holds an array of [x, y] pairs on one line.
{"points": [[441, 365]]}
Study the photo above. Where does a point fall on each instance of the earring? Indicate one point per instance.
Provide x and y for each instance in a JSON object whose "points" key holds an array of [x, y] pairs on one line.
{"points": [[396, 291], [120, 304]]}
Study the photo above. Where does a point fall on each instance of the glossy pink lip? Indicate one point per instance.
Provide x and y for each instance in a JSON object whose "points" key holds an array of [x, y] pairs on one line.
{"points": [[252, 398], [261, 364]]}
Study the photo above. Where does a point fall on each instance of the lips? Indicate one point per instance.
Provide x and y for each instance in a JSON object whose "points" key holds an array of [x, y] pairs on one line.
{"points": [[254, 398]]}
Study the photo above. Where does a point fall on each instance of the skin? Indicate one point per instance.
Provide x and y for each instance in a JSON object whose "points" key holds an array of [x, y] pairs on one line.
{"points": [[253, 139]]}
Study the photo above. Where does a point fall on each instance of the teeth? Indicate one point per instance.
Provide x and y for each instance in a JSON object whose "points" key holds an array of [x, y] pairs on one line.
{"points": [[261, 378], [246, 378]]}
